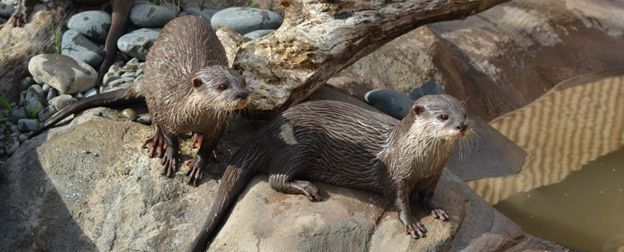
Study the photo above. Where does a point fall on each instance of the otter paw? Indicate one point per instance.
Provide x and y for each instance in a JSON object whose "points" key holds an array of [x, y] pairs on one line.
{"points": [[170, 163], [215, 154], [439, 214], [436, 211], [156, 144], [195, 172], [415, 229], [308, 189]]}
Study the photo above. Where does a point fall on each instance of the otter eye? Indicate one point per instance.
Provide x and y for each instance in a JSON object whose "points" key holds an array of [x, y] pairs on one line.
{"points": [[223, 87], [443, 117], [197, 82]]}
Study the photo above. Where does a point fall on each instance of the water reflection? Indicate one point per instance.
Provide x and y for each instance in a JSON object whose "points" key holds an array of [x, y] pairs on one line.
{"points": [[563, 131]]}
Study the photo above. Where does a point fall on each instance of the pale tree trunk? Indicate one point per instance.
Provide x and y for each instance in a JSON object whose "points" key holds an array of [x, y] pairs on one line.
{"points": [[19, 44], [320, 38]]}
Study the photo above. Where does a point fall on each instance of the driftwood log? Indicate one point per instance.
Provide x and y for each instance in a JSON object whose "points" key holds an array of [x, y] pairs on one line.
{"points": [[317, 39]]}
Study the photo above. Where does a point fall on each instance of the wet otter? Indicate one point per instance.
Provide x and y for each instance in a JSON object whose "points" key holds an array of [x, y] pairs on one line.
{"points": [[344, 145], [187, 87]]}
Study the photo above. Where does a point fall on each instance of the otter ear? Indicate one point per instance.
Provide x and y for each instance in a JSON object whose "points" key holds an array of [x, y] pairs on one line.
{"points": [[419, 110], [197, 82]]}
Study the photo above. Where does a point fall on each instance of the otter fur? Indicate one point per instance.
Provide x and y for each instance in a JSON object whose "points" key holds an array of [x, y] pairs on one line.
{"points": [[344, 145], [187, 87]]}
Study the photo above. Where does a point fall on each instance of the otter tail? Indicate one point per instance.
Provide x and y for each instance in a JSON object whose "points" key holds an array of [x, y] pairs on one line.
{"points": [[117, 97], [232, 184]]}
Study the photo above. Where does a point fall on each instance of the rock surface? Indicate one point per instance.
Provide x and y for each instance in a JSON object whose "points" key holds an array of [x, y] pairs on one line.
{"points": [[138, 42], [64, 73], [244, 19], [148, 15], [79, 47], [92, 24], [77, 192]]}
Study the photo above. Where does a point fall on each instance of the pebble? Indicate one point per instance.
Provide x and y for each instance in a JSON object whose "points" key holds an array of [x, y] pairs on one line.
{"points": [[34, 98], [132, 118], [90, 92], [431, 87], [191, 6], [51, 94], [171, 7], [244, 19], [131, 65], [258, 34], [46, 113], [81, 48], [45, 88], [146, 119], [62, 101], [147, 15], [12, 143], [62, 72], [17, 115], [4, 14], [14, 129], [98, 113], [137, 43], [25, 125], [2, 21], [92, 24], [9, 7], [129, 112], [8, 123], [118, 82], [129, 75], [79, 96], [22, 138], [111, 75], [391, 102], [25, 84]]}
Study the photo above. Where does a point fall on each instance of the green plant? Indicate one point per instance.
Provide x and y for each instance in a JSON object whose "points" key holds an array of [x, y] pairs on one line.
{"points": [[56, 40], [6, 103], [33, 113], [4, 119], [254, 3]]}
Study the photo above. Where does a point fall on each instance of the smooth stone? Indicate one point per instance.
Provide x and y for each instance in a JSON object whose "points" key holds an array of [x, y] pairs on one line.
{"points": [[4, 14], [393, 103], [79, 96], [137, 43], [93, 24], [14, 129], [171, 7], [198, 13], [146, 119], [209, 13], [35, 97], [98, 113], [245, 20], [12, 143], [3, 20], [431, 87], [129, 112], [25, 125], [81, 48], [45, 88], [131, 65], [90, 92], [182, 14], [191, 5], [129, 75], [62, 101], [9, 7], [46, 113], [25, 84], [132, 118], [111, 75], [64, 73], [18, 114], [51, 94], [258, 34], [22, 138], [119, 82], [147, 15], [8, 123]]}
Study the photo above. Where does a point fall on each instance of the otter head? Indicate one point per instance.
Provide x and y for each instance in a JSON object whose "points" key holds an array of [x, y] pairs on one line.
{"points": [[219, 87], [440, 116]]}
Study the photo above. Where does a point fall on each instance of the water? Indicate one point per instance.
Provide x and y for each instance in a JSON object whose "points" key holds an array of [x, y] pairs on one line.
{"points": [[570, 190]]}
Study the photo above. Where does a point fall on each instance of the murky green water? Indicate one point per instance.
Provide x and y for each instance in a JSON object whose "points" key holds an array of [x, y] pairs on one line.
{"points": [[571, 190]]}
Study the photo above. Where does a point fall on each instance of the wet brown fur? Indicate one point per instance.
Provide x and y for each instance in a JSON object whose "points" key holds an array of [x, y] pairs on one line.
{"points": [[344, 145], [187, 87]]}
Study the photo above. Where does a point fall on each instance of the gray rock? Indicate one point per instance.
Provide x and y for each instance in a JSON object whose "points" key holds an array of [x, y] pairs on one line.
{"points": [[199, 13], [171, 6], [207, 13], [111, 75], [12, 143], [4, 14], [257, 34], [131, 66], [182, 14], [22, 138], [78, 46], [431, 87], [25, 84], [62, 72], [18, 114], [244, 19], [46, 113], [51, 94], [9, 7], [3, 20], [98, 113], [45, 88], [129, 75], [146, 119], [62, 101], [92, 24], [14, 129], [191, 5], [78, 96], [147, 15], [118, 82], [393, 103], [35, 98], [25, 125], [137, 43], [90, 92]]}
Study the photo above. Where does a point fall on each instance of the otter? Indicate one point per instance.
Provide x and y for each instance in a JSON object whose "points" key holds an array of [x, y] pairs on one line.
{"points": [[345, 145], [187, 87]]}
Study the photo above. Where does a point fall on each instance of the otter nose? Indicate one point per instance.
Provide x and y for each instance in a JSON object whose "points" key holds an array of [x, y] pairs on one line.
{"points": [[462, 126], [242, 96]]}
